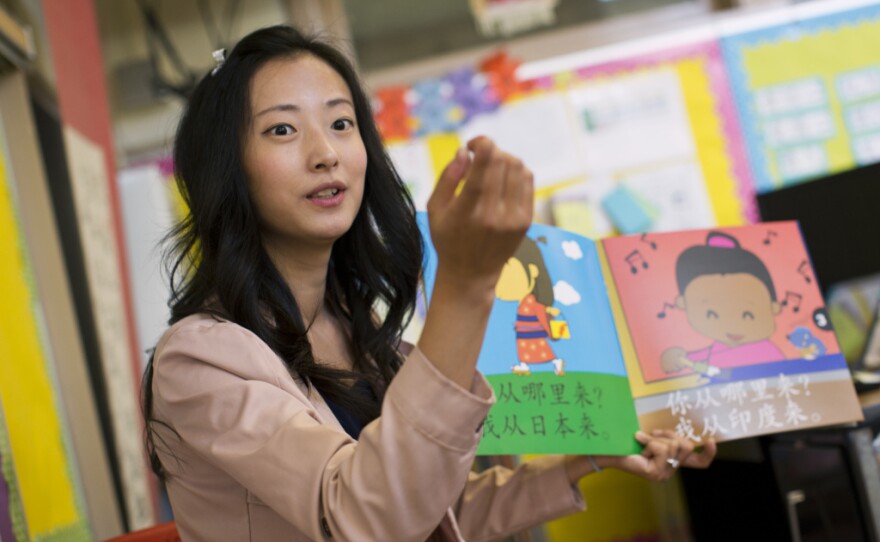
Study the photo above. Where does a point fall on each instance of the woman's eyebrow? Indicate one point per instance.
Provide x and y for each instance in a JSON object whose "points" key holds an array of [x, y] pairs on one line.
{"points": [[291, 107], [278, 107], [339, 101]]}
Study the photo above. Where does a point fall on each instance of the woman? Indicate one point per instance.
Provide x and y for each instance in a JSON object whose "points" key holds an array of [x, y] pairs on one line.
{"points": [[279, 405]]}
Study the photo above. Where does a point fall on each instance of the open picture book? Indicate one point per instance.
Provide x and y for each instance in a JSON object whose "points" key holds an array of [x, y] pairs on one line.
{"points": [[717, 333]]}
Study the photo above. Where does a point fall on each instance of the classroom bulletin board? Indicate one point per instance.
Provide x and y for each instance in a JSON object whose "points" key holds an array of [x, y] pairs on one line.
{"points": [[674, 138], [808, 95], [657, 133]]}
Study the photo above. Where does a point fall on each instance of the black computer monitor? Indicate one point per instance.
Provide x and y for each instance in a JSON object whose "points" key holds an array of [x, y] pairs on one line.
{"points": [[840, 220]]}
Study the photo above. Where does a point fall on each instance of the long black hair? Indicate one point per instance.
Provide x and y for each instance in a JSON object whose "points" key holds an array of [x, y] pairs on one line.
{"points": [[216, 261]]}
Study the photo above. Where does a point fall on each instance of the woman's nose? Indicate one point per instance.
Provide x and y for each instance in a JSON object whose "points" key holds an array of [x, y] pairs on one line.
{"points": [[322, 154]]}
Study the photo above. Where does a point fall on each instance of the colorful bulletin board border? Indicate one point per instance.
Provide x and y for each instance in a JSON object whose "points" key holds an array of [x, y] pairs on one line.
{"points": [[712, 115], [46, 503], [786, 82]]}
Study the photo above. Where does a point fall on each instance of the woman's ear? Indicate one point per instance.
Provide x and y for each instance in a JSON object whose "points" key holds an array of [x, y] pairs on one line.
{"points": [[679, 302], [776, 307]]}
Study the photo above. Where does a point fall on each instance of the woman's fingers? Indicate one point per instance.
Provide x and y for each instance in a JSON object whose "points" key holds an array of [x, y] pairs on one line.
{"points": [[477, 231], [527, 195], [651, 463], [681, 447], [702, 456], [449, 180], [664, 451], [517, 201], [658, 451], [483, 172], [492, 187], [692, 454], [495, 186]]}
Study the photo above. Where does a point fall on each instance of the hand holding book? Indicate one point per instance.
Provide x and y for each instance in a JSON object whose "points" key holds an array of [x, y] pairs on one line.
{"points": [[664, 451]]}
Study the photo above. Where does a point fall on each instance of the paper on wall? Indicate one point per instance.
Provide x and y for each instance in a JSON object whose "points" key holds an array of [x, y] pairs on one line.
{"points": [[539, 131], [412, 159], [584, 198], [679, 193], [632, 121], [93, 208]]}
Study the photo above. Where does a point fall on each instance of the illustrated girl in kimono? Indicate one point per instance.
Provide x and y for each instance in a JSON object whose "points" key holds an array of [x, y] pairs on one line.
{"points": [[525, 279]]}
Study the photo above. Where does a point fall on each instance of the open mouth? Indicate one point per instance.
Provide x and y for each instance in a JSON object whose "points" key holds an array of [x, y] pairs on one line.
{"points": [[328, 193], [734, 337]]}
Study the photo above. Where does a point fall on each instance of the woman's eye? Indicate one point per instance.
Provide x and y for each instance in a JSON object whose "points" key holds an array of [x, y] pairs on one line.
{"points": [[343, 124], [748, 315], [281, 130], [711, 314]]}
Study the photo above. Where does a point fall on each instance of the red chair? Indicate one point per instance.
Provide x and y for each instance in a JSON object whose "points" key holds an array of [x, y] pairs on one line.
{"points": [[165, 532]]}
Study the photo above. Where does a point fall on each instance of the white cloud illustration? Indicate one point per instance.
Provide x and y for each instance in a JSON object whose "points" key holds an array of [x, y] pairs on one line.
{"points": [[572, 249], [565, 293]]}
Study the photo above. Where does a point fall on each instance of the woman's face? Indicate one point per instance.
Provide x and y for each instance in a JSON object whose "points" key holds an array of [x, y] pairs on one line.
{"points": [[303, 154], [733, 309]]}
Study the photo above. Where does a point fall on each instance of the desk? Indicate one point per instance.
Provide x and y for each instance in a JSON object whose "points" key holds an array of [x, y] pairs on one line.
{"points": [[804, 486], [870, 401]]}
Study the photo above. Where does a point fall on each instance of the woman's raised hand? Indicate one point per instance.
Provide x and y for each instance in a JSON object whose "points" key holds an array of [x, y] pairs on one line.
{"points": [[477, 229]]}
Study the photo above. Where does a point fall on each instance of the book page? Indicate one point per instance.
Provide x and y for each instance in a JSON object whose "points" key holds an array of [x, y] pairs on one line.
{"points": [[551, 352], [725, 333]]}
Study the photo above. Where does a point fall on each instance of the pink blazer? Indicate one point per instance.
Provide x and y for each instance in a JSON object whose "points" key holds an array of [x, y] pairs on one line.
{"points": [[258, 457]]}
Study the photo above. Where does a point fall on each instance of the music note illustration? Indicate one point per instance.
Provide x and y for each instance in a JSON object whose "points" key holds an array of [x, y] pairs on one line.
{"points": [[794, 299], [770, 235], [634, 259], [662, 313], [803, 269], [644, 239]]}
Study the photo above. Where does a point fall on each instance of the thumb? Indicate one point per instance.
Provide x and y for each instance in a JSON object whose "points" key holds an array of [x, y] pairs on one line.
{"points": [[452, 174]]}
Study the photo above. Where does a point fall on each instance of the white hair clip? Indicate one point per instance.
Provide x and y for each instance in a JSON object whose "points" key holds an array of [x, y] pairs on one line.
{"points": [[219, 57]]}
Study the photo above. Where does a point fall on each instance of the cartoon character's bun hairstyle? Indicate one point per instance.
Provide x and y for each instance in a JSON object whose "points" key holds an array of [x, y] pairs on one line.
{"points": [[721, 255]]}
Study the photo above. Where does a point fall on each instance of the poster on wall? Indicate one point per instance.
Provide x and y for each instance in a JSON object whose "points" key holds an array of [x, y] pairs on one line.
{"points": [[808, 95], [40, 490], [539, 131], [635, 130], [412, 159], [92, 200], [659, 141]]}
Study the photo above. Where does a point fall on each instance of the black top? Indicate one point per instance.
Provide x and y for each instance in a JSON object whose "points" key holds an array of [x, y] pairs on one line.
{"points": [[352, 423]]}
